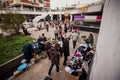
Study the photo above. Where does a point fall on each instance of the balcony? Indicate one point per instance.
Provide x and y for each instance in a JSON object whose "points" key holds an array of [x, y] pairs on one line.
{"points": [[41, 5]]}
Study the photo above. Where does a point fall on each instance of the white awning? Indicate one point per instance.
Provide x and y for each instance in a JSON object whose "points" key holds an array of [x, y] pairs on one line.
{"points": [[95, 8], [90, 18]]}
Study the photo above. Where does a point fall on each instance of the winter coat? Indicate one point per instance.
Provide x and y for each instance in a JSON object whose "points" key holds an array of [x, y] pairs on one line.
{"points": [[66, 47], [28, 51], [54, 55]]}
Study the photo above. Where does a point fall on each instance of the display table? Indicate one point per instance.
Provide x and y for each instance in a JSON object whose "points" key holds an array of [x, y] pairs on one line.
{"points": [[74, 68], [71, 77]]}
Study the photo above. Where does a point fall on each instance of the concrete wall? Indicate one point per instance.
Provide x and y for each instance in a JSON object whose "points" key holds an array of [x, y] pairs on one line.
{"points": [[106, 65], [7, 69]]}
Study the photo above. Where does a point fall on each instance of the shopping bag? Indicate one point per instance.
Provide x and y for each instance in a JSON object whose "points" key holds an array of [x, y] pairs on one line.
{"points": [[22, 67]]}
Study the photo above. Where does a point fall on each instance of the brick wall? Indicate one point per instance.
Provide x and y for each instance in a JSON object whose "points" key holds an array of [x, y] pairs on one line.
{"points": [[23, 1], [47, 5], [30, 2]]}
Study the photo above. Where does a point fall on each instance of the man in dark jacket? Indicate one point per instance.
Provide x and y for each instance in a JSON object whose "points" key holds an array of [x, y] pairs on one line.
{"points": [[65, 30], [55, 60], [47, 27], [65, 50], [28, 51], [40, 41], [47, 47]]}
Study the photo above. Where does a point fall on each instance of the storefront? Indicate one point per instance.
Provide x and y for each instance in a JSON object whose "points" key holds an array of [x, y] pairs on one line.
{"points": [[79, 20], [67, 16]]}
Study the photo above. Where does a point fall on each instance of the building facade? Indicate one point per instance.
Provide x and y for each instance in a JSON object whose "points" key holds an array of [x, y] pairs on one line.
{"points": [[47, 5], [30, 8], [28, 5]]}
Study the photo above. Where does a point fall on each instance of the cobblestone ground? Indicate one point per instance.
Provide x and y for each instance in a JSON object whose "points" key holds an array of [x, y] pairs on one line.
{"points": [[39, 70]]}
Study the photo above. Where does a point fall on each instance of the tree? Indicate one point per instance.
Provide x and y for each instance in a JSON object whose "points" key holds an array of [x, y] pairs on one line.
{"points": [[11, 22], [6, 22], [18, 19]]}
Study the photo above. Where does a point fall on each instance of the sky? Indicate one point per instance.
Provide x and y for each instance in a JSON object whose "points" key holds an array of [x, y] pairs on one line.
{"points": [[63, 3]]}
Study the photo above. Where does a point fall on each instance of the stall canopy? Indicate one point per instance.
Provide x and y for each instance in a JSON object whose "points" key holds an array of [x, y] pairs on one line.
{"points": [[95, 8]]}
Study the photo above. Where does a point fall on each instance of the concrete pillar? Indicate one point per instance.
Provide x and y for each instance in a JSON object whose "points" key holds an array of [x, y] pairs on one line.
{"points": [[51, 17], [43, 9], [34, 9], [21, 7], [106, 63], [57, 17], [60, 17], [71, 17]]}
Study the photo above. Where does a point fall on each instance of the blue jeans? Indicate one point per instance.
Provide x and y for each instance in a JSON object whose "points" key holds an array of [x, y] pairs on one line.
{"points": [[51, 66]]}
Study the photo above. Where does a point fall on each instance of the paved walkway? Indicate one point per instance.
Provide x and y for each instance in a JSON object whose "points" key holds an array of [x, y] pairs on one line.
{"points": [[39, 70]]}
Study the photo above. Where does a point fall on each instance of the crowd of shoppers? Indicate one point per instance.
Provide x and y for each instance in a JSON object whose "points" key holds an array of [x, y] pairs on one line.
{"points": [[61, 48]]}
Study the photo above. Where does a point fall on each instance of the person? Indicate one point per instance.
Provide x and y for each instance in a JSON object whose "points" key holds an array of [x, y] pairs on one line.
{"points": [[39, 27], [47, 27], [28, 51], [83, 75], [90, 39], [56, 33], [65, 50], [60, 32], [55, 60], [43, 37], [89, 57], [74, 37], [65, 30], [70, 28], [25, 31], [41, 41], [57, 46], [61, 46], [77, 28], [52, 24], [78, 35], [47, 47]]}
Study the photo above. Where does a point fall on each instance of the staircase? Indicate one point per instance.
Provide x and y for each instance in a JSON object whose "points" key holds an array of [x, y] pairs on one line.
{"points": [[36, 19]]}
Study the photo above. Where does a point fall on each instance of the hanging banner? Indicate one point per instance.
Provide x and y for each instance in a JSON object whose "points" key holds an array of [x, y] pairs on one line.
{"points": [[98, 19], [90, 18], [78, 17]]}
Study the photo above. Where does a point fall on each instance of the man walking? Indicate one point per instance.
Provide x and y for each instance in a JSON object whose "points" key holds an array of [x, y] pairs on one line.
{"points": [[65, 50], [55, 59], [47, 26]]}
